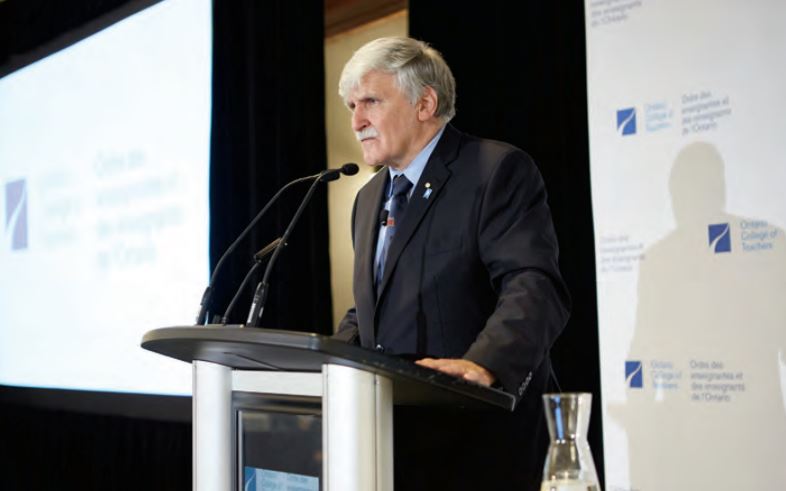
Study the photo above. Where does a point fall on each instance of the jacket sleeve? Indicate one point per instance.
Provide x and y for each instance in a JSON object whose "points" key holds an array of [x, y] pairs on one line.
{"points": [[348, 327], [518, 247]]}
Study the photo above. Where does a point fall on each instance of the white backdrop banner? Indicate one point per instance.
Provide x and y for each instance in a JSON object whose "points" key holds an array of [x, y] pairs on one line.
{"points": [[687, 118]]}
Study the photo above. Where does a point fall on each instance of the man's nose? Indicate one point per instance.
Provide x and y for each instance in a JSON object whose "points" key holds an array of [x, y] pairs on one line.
{"points": [[359, 120]]}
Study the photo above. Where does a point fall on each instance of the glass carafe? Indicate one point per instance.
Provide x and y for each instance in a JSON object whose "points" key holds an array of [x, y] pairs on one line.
{"points": [[569, 465]]}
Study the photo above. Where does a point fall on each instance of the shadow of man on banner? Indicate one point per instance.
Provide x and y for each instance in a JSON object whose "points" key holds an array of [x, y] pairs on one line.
{"points": [[710, 332]]}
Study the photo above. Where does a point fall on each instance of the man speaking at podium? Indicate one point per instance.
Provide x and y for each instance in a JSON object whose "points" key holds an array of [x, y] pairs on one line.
{"points": [[455, 265]]}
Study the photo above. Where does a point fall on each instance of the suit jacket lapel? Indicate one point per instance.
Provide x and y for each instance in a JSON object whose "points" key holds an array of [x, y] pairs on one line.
{"points": [[434, 177], [368, 234]]}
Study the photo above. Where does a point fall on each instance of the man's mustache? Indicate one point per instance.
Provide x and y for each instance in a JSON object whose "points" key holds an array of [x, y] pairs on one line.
{"points": [[369, 132]]}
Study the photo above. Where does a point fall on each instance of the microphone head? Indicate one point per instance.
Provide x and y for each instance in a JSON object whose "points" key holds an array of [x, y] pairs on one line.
{"points": [[349, 169], [330, 175], [333, 174]]}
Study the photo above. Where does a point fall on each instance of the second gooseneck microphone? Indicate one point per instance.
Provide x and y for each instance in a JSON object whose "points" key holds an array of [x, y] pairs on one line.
{"points": [[260, 295], [326, 175]]}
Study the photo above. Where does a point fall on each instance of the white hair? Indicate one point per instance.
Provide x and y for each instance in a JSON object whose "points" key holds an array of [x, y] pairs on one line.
{"points": [[415, 65]]}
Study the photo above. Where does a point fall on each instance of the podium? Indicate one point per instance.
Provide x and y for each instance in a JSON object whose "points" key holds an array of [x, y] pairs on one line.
{"points": [[300, 410]]}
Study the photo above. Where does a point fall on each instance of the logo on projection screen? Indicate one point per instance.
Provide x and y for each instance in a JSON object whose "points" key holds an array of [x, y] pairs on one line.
{"points": [[16, 213], [626, 121], [720, 237], [634, 374]]}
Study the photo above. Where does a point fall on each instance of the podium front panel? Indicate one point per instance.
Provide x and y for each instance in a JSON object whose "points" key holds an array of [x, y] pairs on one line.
{"points": [[279, 442]]}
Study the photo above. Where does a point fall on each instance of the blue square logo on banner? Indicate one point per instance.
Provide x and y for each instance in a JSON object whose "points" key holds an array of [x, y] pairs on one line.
{"points": [[626, 121], [16, 213], [720, 237], [634, 374]]}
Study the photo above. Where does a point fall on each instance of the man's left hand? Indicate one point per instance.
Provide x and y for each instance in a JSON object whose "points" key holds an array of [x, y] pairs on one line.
{"points": [[459, 368]]}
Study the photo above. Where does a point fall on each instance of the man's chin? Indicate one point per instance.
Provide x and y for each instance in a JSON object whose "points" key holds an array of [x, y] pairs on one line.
{"points": [[372, 160]]}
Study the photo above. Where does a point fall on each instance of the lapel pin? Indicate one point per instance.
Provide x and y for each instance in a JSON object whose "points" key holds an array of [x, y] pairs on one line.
{"points": [[428, 190]]}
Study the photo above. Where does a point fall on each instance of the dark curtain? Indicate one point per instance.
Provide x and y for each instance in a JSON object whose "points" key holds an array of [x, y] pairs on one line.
{"points": [[520, 71], [32, 29], [53, 449], [268, 129]]}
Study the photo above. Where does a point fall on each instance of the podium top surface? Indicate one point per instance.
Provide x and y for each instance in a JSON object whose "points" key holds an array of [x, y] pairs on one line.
{"points": [[248, 348]]}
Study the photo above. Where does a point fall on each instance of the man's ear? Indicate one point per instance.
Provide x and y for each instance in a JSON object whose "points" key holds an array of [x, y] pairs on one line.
{"points": [[427, 105]]}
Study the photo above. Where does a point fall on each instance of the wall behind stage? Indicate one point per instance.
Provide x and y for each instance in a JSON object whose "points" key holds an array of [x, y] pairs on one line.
{"points": [[343, 147], [687, 126]]}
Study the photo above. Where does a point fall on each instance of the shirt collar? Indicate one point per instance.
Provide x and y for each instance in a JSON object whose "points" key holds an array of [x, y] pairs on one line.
{"points": [[415, 168]]}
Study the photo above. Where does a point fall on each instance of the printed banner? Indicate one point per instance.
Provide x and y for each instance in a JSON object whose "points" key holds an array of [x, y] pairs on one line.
{"points": [[687, 117]]}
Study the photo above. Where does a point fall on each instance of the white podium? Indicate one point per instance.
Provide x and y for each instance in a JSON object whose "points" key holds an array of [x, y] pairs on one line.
{"points": [[298, 409]]}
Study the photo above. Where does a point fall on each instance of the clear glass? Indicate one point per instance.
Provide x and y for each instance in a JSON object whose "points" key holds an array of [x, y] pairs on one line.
{"points": [[569, 465]]}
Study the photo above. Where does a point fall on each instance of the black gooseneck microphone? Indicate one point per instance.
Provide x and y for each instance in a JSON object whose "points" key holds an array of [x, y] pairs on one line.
{"points": [[326, 175], [259, 257], [260, 295], [348, 169]]}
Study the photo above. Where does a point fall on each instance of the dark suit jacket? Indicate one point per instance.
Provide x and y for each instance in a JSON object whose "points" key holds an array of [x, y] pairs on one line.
{"points": [[472, 270]]}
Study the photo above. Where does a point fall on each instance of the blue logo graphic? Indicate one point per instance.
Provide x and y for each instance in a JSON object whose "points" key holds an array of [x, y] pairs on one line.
{"points": [[626, 121], [16, 213], [634, 374], [264, 479], [720, 237], [249, 478]]}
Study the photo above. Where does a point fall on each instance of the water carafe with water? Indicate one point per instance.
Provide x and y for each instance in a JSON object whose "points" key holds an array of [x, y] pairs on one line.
{"points": [[569, 465]]}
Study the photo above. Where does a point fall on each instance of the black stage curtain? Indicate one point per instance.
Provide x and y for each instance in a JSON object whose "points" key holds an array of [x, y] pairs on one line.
{"points": [[54, 449], [32, 29], [268, 128], [520, 71]]}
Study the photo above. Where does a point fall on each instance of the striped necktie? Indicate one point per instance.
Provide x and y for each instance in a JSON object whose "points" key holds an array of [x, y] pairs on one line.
{"points": [[398, 205]]}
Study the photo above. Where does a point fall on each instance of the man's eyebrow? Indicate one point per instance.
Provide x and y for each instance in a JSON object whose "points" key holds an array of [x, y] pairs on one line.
{"points": [[364, 98]]}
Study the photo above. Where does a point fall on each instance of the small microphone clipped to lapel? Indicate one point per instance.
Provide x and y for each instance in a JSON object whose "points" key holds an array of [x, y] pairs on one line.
{"points": [[428, 190]]}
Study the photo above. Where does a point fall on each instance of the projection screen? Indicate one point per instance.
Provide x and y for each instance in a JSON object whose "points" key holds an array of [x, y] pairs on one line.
{"points": [[104, 154]]}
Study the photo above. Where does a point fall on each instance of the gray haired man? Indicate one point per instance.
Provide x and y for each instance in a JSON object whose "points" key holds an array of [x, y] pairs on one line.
{"points": [[461, 274]]}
